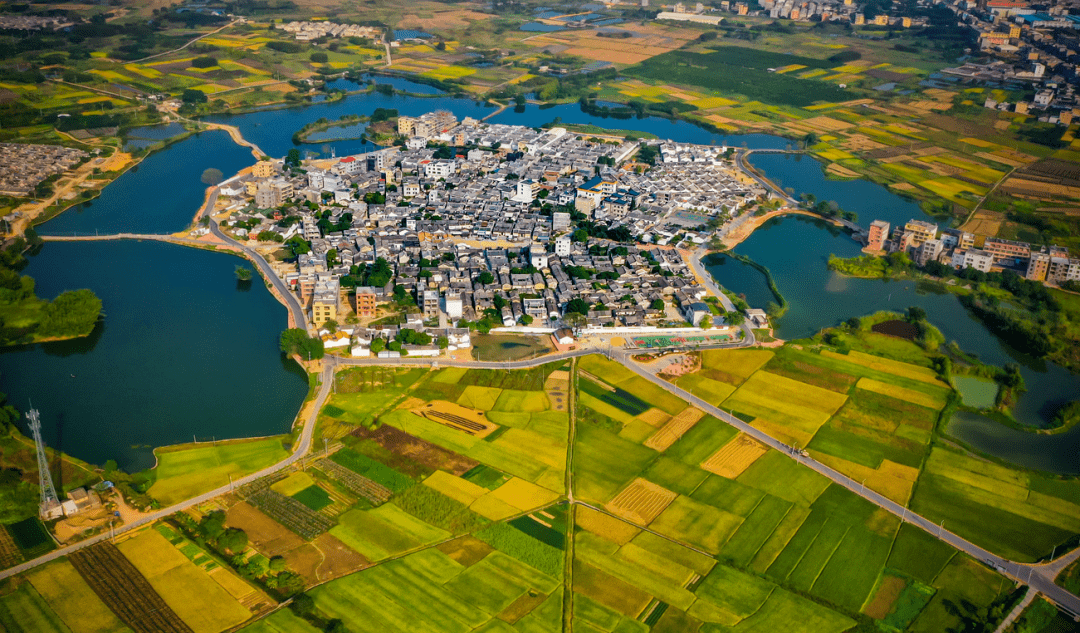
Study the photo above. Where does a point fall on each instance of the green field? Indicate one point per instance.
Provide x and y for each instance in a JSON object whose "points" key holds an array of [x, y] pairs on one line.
{"points": [[25, 611], [194, 469], [384, 531]]}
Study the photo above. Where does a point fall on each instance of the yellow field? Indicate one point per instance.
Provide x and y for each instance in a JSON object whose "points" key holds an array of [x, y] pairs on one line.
{"points": [[111, 75], [834, 154], [654, 417], [199, 601], [208, 69], [892, 480], [455, 487], [450, 72], [600, 406], [606, 526], [72, 599], [225, 42], [149, 73], [734, 457], [737, 362], [524, 495], [813, 73], [213, 88], [908, 395], [712, 102], [887, 365], [674, 429], [293, 484], [494, 509], [641, 501], [482, 398], [231, 583], [789, 68], [784, 407]]}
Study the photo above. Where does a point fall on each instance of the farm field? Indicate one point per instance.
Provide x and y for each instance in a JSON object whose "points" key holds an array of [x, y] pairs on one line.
{"points": [[690, 525], [190, 470], [200, 601]]}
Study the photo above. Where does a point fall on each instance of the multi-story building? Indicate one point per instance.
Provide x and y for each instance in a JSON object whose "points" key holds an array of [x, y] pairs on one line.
{"points": [[324, 306], [366, 301], [955, 238], [1063, 269], [973, 258], [1038, 266], [538, 256], [263, 169], [876, 236], [453, 305], [430, 303], [1006, 249], [562, 245], [928, 251], [920, 231]]}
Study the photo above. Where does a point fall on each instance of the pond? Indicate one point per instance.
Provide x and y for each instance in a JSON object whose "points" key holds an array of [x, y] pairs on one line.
{"points": [[1052, 453], [976, 392]]}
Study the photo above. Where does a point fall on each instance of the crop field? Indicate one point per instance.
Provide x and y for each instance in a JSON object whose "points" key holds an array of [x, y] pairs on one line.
{"points": [[734, 457], [193, 595], [195, 469], [384, 532], [908, 395], [68, 595], [355, 482], [25, 611], [641, 502], [709, 390], [787, 409], [125, 590], [738, 363], [675, 428], [969, 494], [429, 591], [291, 513]]}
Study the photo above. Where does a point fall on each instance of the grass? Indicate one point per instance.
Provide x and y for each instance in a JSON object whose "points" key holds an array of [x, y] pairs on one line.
{"points": [[198, 599], [191, 470], [72, 599], [385, 531], [980, 393]]}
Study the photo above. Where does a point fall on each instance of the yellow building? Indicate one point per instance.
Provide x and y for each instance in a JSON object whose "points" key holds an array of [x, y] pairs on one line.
{"points": [[860, 19], [905, 22], [263, 169], [881, 20], [920, 231], [1037, 266]]}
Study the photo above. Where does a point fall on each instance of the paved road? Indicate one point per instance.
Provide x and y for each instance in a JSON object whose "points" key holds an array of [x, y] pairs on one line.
{"points": [[292, 303], [710, 285], [740, 162], [299, 451]]}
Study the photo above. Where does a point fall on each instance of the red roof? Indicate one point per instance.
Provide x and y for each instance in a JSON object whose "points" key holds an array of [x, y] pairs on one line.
{"points": [[347, 159]]}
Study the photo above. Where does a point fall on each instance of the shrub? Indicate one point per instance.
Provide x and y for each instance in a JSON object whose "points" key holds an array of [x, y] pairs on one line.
{"points": [[319, 57], [204, 62]]}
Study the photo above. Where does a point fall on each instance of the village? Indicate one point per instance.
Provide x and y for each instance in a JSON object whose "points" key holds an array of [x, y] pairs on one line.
{"points": [[543, 231]]}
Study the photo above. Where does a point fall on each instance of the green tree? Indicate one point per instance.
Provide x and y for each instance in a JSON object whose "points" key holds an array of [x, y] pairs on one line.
{"points": [[302, 605], [377, 345], [233, 540], [193, 96], [73, 313], [212, 525], [319, 57], [293, 157], [580, 235], [656, 304], [577, 305], [485, 278]]}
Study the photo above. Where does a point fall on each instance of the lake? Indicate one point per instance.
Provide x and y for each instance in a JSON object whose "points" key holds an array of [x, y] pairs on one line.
{"points": [[184, 349]]}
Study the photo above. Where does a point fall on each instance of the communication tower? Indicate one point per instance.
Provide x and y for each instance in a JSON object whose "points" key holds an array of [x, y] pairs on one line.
{"points": [[50, 503]]}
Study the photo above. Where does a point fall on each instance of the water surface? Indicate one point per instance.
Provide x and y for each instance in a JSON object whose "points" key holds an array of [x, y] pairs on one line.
{"points": [[184, 350]]}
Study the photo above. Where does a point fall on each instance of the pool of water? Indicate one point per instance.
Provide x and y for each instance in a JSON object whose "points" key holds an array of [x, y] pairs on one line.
{"points": [[975, 391], [1051, 453]]}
